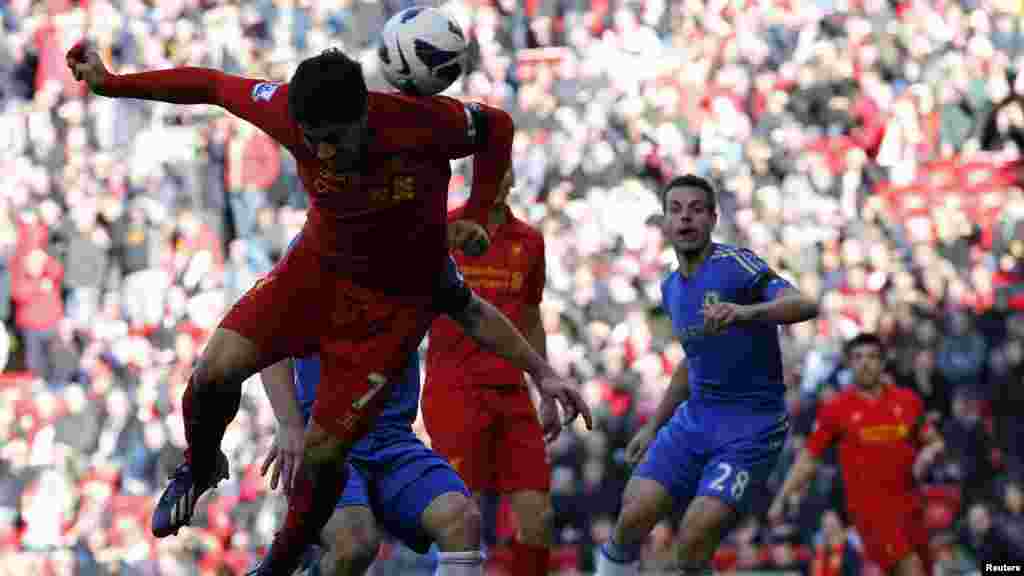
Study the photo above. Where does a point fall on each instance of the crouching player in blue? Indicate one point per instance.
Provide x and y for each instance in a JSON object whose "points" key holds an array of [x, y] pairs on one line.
{"points": [[720, 428], [395, 481]]}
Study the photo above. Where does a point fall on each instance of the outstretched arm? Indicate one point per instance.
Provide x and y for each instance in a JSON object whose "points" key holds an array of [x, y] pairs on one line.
{"points": [[788, 307], [494, 332], [785, 306], [176, 85], [264, 104]]}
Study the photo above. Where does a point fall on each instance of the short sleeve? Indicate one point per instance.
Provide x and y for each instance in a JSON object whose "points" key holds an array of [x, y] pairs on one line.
{"points": [[826, 428], [263, 104], [760, 282]]}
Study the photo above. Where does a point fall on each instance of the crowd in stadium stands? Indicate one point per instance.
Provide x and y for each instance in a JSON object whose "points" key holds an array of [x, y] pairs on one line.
{"points": [[860, 147]]}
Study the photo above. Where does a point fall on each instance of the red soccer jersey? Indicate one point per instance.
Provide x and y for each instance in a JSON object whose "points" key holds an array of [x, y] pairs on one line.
{"points": [[877, 440], [510, 275], [383, 226]]}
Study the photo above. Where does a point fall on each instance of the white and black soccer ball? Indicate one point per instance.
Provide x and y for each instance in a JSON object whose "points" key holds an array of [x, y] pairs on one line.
{"points": [[422, 51]]}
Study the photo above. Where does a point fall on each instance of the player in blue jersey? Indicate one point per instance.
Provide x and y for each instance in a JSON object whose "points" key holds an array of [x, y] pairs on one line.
{"points": [[394, 480], [721, 425]]}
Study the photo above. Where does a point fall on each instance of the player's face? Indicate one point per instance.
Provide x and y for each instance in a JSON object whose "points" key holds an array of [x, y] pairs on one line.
{"points": [[340, 146], [689, 219], [866, 363]]}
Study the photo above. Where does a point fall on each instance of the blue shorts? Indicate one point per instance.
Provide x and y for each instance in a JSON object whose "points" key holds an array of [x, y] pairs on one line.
{"points": [[723, 451], [397, 478]]}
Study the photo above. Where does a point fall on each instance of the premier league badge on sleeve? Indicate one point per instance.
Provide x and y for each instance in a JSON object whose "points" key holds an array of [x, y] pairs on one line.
{"points": [[264, 91]]}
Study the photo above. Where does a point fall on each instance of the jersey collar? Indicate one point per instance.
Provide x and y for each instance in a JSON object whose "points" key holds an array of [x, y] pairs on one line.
{"points": [[883, 391], [681, 267]]}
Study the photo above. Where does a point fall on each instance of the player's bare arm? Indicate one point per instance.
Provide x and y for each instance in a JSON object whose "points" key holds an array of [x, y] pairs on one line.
{"points": [[492, 129], [247, 98], [788, 307], [191, 86], [494, 332], [677, 393], [535, 335], [799, 475], [286, 454]]}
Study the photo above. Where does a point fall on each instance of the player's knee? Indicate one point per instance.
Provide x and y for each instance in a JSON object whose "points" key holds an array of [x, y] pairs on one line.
{"points": [[638, 516], [704, 524], [352, 551], [460, 526]]}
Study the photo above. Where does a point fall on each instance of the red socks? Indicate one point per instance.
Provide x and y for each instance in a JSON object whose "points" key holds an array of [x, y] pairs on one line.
{"points": [[310, 506]]}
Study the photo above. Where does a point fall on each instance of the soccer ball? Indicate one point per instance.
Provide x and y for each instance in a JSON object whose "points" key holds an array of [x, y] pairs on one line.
{"points": [[421, 51]]}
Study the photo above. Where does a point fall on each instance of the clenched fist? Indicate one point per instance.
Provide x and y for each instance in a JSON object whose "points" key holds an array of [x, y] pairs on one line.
{"points": [[86, 65]]}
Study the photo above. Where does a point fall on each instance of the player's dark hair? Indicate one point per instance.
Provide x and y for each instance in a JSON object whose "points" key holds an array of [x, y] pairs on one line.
{"points": [[327, 88], [691, 181], [863, 339]]}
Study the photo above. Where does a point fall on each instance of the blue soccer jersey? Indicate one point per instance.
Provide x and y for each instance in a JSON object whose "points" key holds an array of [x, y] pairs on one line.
{"points": [[725, 440], [743, 363]]}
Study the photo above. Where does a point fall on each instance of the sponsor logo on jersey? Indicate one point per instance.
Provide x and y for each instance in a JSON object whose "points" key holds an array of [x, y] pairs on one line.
{"points": [[264, 91], [884, 433]]}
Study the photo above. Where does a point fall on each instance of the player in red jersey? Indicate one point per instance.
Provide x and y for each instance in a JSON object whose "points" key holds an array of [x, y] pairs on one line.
{"points": [[884, 443], [357, 287], [476, 407]]}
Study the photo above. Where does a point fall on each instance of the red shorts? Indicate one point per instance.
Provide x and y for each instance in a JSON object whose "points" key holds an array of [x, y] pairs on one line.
{"points": [[491, 436], [300, 308], [891, 532]]}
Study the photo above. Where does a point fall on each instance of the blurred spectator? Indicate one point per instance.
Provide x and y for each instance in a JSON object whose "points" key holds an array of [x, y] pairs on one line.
{"points": [[83, 245], [967, 448], [35, 288], [1007, 395], [929, 384], [1012, 516], [962, 354], [834, 552], [984, 540]]}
